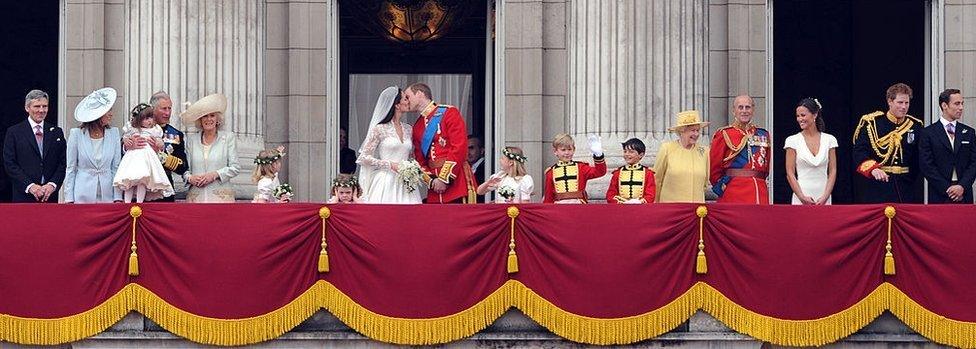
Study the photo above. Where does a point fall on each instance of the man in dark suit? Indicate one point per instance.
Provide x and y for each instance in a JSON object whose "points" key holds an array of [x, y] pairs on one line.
{"points": [[947, 153], [34, 153], [476, 158]]}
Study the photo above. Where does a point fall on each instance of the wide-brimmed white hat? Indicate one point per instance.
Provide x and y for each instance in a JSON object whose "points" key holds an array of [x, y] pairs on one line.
{"points": [[215, 103], [95, 105]]}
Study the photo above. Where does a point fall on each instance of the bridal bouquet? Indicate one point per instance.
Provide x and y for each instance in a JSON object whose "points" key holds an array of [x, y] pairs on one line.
{"points": [[506, 192], [410, 174], [283, 192]]}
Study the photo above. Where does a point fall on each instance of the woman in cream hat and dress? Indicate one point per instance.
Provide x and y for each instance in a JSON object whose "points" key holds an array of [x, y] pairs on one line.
{"points": [[211, 155], [94, 151], [681, 168]]}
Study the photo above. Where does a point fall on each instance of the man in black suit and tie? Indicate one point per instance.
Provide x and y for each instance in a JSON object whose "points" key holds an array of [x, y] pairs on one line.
{"points": [[34, 153], [947, 153]]}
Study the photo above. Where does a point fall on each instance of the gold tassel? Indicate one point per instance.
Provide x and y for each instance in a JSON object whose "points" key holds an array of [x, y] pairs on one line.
{"points": [[512, 257], [324, 213], [135, 212], [701, 264], [889, 259]]}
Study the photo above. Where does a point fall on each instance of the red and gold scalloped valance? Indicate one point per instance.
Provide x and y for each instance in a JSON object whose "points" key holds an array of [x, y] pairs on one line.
{"points": [[239, 273]]}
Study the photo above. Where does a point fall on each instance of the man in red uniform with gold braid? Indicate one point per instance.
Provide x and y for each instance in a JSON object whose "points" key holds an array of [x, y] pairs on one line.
{"points": [[440, 145], [740, 155]]}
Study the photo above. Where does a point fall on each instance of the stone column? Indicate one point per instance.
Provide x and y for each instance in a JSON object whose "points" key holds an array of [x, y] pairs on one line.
{"points": [[91, 54], [737, 58], [960, 48], [632, 66], [303, 92], [192, 48]]}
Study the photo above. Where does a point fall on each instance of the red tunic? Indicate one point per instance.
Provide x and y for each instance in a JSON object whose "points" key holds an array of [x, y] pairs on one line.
{"points": [[639, 188], [570, 181], [740, 164], [447, 158]]}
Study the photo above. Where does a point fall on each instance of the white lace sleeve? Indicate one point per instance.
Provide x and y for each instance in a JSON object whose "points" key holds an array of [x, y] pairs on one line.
{"points": [[265, 189], [367, 154], [525, 189]]}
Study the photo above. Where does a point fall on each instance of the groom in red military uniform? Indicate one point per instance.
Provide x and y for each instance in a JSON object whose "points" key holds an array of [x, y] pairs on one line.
{"points": [[440, 145]]}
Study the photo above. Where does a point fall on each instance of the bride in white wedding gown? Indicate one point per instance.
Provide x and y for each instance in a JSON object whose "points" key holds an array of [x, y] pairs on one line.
{"points": [[388, 142]]}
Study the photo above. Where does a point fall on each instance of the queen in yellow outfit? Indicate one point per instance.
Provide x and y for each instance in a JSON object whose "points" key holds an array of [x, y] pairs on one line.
{"points": [[681, 168]]}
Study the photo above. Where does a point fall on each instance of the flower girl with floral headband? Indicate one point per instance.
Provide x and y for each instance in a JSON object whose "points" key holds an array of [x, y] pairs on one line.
{"points": [[345, 190], [512, 184], [270, 190]]}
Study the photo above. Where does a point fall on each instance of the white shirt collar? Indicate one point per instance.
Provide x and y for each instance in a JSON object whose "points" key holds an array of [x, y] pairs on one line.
{"points": [[33, 124], [947, 122], [475, 165]]}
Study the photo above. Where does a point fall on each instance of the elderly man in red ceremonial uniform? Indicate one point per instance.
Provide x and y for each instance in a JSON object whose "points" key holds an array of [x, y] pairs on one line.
{"points": [[440, 145], [740, 155]]}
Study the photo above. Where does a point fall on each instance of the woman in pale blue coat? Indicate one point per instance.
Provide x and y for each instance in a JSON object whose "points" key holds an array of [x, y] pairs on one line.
{"points": [[94, 151]]}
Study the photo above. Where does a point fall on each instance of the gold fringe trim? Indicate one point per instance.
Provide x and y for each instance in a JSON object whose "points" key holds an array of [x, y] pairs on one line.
{"points": [[599, 331], [814, 332], [933, 326], [215, 331], [67, 329], [452, 327], [417, 331]]}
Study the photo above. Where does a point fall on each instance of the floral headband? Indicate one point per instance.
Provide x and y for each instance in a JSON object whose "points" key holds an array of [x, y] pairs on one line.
{"points": [[138, 109], [349, 183], [267, 160], [513, 156]]}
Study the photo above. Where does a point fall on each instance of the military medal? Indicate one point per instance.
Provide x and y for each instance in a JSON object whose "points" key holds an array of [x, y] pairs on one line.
{"points": [[442, 141]]}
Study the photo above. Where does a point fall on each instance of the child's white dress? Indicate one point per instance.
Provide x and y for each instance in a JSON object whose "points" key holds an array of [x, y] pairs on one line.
{"points": [[142, 166], [266, 187]]}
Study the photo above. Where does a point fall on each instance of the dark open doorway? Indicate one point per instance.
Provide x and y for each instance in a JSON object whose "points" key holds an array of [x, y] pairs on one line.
{"points": [[846, 54], [29, 31], [458, 59]]}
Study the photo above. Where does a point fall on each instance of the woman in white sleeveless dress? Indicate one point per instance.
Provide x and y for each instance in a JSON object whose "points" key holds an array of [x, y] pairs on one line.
{"points": [[388, 142], [811, 157]]}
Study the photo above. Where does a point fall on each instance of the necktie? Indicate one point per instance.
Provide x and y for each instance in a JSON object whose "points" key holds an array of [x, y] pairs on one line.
{"points": [[39, 137]]}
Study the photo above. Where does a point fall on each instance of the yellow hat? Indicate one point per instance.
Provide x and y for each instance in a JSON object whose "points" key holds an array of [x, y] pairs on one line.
{"points": [[688, 118]]}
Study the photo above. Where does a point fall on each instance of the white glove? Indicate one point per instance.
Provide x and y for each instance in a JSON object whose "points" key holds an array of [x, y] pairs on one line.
{"points": [[596, 145], [633, 201]]}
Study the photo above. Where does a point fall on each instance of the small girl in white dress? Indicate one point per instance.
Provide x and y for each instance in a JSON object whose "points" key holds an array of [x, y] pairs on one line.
{"points": [[266, 176], [512, 184], [141, 174], [345, 189]]}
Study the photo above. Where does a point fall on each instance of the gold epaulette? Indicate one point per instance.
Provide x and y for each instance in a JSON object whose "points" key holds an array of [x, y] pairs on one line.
{"points": [[445, 105], [871, 116], [915, 119], [865, 119]]}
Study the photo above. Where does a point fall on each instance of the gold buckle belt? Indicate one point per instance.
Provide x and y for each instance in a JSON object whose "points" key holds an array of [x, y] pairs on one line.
{"points": [[572, 195], [894, 169], [734, 172]]}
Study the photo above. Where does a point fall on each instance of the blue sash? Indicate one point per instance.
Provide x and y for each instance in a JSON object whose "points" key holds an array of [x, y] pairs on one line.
{"points": [[431, 130]]}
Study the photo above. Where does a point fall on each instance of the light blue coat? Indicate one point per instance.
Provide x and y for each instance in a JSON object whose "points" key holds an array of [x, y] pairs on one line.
{"points": [[85, 177]]}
